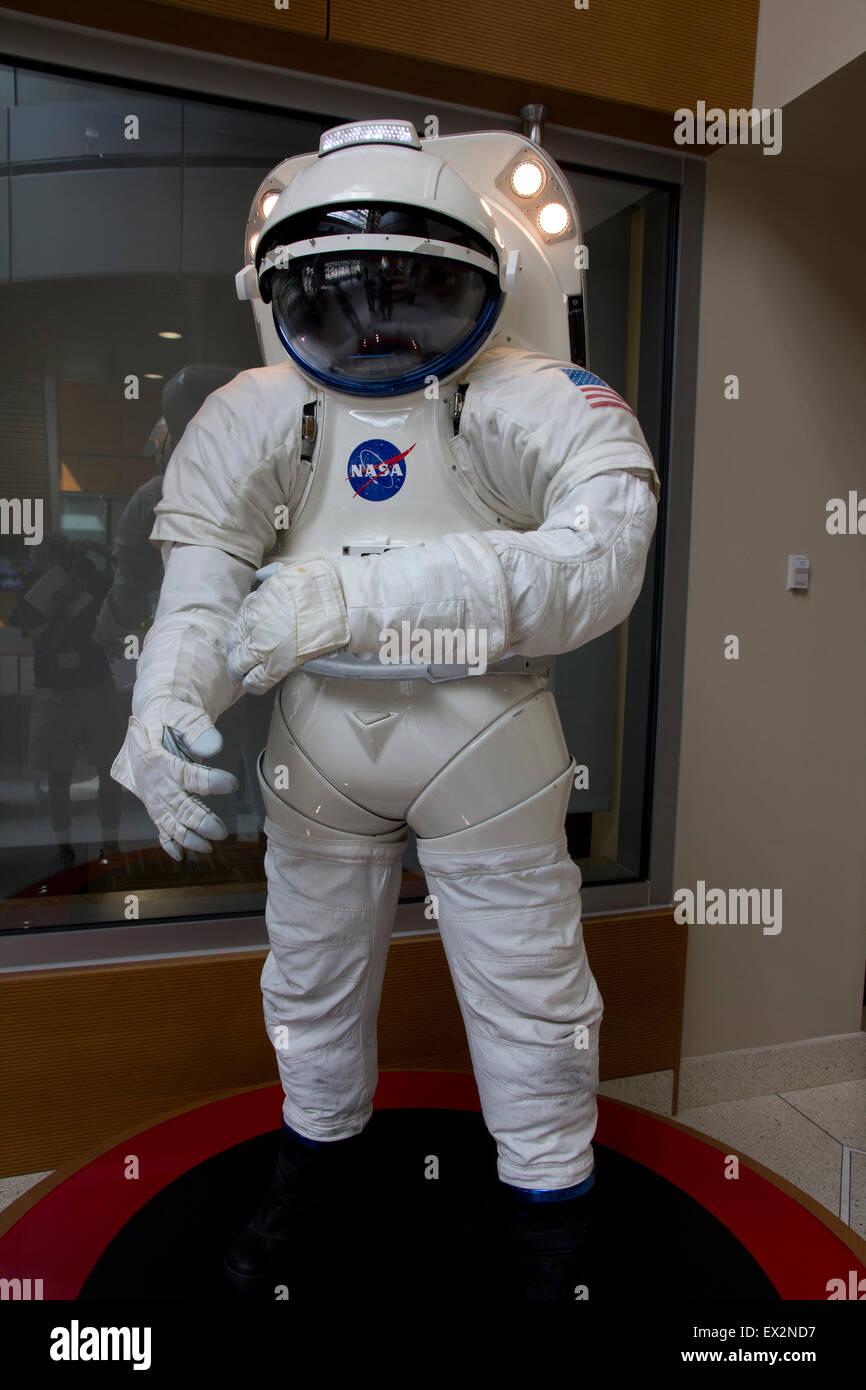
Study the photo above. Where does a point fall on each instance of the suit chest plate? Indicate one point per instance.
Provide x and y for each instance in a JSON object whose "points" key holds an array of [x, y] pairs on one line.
{"points": [[382, 475]]}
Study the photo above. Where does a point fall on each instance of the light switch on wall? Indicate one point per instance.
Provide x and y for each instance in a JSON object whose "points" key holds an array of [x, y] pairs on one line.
{"points": [[798, 572]]}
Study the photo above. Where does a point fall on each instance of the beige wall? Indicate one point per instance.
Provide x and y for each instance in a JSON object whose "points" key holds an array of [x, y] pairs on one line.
{"points": [[800, 42], [773, 769]]}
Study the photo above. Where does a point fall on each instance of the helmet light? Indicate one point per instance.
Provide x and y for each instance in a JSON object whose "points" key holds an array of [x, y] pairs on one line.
{"points": [[369, 133], [553, 219], [528, 178]]}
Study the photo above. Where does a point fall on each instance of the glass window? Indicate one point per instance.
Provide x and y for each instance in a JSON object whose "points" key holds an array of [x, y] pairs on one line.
{"points": [[119, 241], [605, 691], [122, 231]]}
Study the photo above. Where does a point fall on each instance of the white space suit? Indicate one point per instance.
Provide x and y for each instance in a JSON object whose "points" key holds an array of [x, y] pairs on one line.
{"points": [[445, 468]]}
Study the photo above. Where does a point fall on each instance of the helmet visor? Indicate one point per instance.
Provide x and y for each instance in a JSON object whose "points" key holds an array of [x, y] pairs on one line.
{"points": [[379, 321]]}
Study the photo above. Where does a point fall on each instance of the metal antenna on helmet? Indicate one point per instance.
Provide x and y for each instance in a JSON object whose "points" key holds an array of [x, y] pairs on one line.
{"points": [[533, 117]]}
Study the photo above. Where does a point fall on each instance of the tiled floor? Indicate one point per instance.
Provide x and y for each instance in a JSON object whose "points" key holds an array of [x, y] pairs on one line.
{"points": [[816, 1138], [12, 1188]]}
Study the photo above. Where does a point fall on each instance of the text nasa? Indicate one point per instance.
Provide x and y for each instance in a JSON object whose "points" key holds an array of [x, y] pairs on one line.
{"points": [[376, 470], [76, 1343]]}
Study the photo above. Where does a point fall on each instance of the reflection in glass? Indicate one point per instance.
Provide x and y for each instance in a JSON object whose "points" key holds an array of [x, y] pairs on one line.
{"points": [[74, 707], [86, 429]]}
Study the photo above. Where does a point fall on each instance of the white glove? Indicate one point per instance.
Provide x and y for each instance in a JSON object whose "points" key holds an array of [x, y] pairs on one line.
{"points": [[297, 614], [169, 786], [181, 685]]}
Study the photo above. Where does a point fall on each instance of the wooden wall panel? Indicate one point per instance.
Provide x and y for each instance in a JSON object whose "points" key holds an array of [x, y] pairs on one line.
{"points": [[661, 54], [299, 16], [618, 69], [90, 1051], [639, 961]]}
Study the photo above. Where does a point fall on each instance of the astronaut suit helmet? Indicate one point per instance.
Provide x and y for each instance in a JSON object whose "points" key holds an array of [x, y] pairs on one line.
{"points": [[380, 264], [385, 259]]}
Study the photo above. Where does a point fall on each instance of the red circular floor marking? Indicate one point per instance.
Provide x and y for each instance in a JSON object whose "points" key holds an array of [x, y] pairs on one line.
{"points": [[796, 1251], [61, 1237]]}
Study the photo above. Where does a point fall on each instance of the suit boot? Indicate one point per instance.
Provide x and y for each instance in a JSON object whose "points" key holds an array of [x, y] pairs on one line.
{"points": [[549, 1245], [295, 1214]]}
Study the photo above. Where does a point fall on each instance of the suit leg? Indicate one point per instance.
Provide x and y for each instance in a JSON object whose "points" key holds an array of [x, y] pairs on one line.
{"points": [[332, 896], [509, 909]]}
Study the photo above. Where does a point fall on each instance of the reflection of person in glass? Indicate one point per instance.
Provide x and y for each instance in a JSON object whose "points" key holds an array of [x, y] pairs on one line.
{"points": [[130, 602], [131, 599], [506, 496], [386, 292], [74, 707], [370, 288]]}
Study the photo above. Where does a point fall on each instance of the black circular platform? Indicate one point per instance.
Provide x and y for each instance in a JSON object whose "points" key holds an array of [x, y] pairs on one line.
{"points": [[420, 1214], [399, 1234]]}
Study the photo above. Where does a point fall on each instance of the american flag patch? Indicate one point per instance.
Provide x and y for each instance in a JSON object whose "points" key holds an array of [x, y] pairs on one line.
{"points": [[596, 391]]}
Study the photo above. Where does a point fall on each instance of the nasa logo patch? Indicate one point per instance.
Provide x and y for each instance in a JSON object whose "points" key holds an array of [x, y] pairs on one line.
{"points": [[377, 469]]}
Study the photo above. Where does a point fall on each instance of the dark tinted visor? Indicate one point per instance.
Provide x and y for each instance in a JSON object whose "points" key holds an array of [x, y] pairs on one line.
{"points": [[379, 321]]}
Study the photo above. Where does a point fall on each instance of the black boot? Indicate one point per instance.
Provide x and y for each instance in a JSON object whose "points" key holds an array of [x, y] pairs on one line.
{"points": [[293, 1214], [549, 1245]]}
